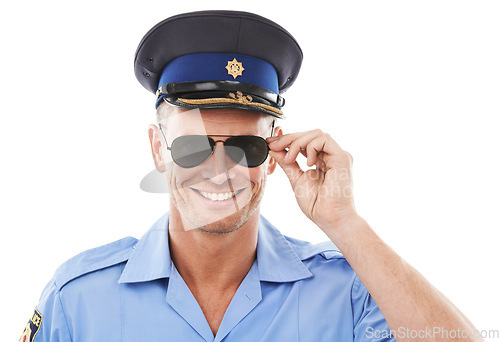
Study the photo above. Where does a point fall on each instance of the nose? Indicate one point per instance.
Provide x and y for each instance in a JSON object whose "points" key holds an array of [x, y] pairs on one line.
{"points": [[220, 172], [219, 157]]}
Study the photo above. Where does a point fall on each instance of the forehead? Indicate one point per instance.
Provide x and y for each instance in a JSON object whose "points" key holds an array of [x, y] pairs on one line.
{"points": [[217, 121]]}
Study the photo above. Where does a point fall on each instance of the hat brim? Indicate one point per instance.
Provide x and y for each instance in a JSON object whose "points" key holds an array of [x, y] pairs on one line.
{"points": [[223, 102], [221, 94]]}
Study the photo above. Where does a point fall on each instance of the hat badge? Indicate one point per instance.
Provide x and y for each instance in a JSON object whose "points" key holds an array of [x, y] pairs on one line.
{"points": [[234, 68]]}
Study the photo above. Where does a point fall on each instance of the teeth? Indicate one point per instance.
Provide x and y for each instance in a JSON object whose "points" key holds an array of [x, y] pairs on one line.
{"points": [[217, 197]]}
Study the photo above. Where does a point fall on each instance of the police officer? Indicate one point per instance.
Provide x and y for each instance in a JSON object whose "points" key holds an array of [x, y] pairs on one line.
{"points": [[213, 268]]}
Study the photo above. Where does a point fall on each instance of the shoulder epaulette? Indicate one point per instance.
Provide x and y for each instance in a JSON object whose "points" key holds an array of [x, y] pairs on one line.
{"points": [[93, 260], [306, 250]]}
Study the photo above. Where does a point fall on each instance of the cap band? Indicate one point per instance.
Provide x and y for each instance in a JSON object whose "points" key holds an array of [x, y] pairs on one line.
{"points": [[212, 67]]}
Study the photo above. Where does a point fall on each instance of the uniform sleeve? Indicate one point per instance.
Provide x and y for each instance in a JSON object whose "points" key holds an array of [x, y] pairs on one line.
{"points": [[369, 323], [48, 323]]}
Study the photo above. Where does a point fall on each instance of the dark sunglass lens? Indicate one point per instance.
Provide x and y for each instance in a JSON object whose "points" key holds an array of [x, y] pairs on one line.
{"points": [[191, 150], [250, 151]]}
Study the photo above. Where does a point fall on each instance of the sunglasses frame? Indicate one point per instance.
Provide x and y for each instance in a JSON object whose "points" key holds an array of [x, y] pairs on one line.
{"points": [[223, 142]]}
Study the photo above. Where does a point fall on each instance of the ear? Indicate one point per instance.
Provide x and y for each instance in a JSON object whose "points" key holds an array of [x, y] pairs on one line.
{"points": [[272, 162], [156, 140]]}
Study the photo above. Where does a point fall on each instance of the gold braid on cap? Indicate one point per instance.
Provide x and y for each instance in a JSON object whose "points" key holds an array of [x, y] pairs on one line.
{"points": [[238, 98]]}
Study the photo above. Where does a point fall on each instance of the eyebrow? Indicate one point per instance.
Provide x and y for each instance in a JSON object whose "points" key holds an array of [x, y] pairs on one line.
{"points": [[253, 133], [222, 135]]}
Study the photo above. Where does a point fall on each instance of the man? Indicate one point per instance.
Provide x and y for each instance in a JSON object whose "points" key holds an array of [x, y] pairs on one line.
{"points": [[214, 269]]}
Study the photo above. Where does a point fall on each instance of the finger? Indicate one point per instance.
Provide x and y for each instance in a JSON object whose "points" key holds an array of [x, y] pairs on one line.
{"points": [[329, 145], [293, 171], [311, 154], [323, 143], [315, 147], [320, 165], [300, 143], [283, 141], [350, 156]]}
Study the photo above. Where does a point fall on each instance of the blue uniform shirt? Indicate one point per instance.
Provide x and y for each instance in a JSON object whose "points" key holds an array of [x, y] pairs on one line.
{"points": [[130, 291]]}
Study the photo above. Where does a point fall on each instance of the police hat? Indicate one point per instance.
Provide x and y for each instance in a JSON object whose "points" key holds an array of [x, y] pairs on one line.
{"points": [[219, 59]]}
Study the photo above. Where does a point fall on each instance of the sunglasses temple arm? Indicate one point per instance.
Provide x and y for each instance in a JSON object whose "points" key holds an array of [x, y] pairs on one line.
{"points": [[161, 130]]}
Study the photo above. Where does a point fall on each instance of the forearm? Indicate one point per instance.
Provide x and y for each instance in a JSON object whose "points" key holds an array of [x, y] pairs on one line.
{"points": [[406, 299]]}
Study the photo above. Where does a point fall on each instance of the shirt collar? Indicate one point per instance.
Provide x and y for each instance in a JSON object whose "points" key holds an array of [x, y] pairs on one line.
{"points": [[150, 258], [276, 259]]}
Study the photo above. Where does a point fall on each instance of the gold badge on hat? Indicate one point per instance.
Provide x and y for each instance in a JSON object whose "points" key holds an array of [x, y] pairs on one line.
{"points": [[234, 68]]}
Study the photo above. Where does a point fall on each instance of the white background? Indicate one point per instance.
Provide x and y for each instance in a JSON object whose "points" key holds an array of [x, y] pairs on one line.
{"points": [[409, 88]]}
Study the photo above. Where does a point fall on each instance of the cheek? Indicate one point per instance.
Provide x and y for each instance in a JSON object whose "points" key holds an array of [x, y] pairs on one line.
{"points": [[258, 174], [178, 175]]}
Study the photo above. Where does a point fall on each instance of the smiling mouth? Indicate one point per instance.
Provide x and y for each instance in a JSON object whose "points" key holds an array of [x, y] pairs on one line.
{"points": [[217, 196]]}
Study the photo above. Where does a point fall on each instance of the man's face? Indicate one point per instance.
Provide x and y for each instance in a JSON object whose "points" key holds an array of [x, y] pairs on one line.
{"points": [[219, 195]]}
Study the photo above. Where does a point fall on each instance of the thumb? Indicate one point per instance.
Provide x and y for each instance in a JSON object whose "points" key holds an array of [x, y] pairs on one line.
{"points": [[293, 170]]}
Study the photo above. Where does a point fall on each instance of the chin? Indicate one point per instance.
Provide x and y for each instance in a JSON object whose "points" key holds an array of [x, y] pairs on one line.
{"points": [[219, 228], [227, 224]]}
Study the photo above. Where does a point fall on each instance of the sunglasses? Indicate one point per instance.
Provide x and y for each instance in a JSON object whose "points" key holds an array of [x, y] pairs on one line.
{"points": [[192, 150]]}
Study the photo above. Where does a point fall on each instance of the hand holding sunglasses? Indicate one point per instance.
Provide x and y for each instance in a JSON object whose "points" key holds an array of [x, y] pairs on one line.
{"points": [[325, 193]]}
